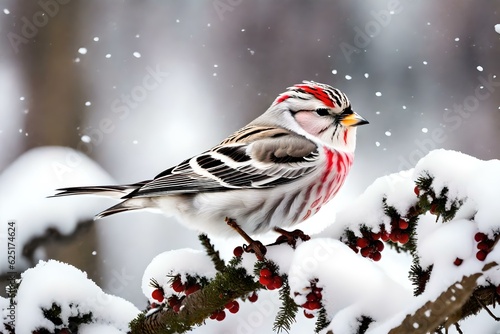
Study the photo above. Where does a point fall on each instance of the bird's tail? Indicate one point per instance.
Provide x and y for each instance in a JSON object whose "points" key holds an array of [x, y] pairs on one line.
{"points": [[107, 191], [110, 191], [126, 205]]}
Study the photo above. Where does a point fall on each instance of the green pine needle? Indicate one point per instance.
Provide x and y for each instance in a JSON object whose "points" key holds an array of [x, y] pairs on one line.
{"points": [[288, 310], [214, 254], [322, 322]]}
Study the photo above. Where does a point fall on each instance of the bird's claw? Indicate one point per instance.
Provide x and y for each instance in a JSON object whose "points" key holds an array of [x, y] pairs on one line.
{"points": [[254, 246], [290, 237]]}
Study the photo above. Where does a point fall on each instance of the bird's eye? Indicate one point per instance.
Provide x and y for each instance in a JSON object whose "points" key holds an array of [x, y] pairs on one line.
{"points": [[322, 112]]}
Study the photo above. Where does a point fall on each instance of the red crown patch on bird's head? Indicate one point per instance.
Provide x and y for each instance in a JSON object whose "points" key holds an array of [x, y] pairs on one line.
{"points": [[330, 97]]}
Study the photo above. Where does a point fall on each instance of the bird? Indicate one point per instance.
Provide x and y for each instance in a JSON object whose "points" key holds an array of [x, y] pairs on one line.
{"points": [[272, 174]]}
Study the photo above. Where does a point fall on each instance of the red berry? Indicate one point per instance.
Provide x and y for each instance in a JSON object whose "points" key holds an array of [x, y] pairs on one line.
{"points": [[265, 272], [404, 238], [376, 256], [481, 255], [403, 224], [479, 236], [265, 280], [157, 294], [277, 282], [458, 261], [177, 285], [238, 251], [234, 306], [214, 315], [354, 248], [192, 288], [253, 297], [271, 286], [312, 297], [483, 245], [376, 236], [365, 251], [378, 245], [221, 315], [394, 236], [433, 209], [318, 293], [362, 242], [314, 305], [384, 236], [416, 190], [177, 307], [308, 315]]}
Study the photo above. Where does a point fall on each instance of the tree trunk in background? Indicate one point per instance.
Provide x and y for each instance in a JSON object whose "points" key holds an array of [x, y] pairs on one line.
{"points": [[52, 82], [55, 95]]}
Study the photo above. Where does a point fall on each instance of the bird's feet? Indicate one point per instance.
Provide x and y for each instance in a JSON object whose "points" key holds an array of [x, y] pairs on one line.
{"points": [[290, 237], [254, 246]]}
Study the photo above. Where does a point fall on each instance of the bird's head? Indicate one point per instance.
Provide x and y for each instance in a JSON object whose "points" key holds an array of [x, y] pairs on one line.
{"points": [[320, 112]]}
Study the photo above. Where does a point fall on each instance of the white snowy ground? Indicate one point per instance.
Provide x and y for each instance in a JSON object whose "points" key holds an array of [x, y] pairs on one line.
{"points": [[352, 285]]}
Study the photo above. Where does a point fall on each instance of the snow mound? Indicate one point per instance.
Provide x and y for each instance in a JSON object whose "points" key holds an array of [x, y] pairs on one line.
{"points": [[61, 284], [25, 186]]}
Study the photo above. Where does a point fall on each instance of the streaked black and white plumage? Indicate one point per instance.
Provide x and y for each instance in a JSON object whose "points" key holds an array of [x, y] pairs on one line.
{"points": [[275, 172]]}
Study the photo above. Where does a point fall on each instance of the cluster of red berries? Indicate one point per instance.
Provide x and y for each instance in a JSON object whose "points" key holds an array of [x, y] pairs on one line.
{"points": [[233, 306], [369, 245], [399, 231], [313, 299], [174, 301], [269, 279], [484, 245]]}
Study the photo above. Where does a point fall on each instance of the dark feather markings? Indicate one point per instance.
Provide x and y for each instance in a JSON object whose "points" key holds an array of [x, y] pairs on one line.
{"points": [[236, 153], [281, 157]]}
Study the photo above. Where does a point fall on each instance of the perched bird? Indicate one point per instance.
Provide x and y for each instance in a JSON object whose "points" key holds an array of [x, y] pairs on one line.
{"points": [[274, 173]]}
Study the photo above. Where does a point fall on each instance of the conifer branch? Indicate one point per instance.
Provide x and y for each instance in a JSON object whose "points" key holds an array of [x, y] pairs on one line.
{"points": [[214, 254], [288, 310], [322, 322]]}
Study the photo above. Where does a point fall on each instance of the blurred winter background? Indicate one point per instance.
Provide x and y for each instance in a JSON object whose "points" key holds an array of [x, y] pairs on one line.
{"points": [[140, 86]]}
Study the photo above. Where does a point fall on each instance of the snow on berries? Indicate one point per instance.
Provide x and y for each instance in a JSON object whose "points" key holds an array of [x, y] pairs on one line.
{"points": [[313, 299]]}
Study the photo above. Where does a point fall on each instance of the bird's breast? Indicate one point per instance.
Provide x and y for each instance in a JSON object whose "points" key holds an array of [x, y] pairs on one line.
{"points": [[336, 167]]}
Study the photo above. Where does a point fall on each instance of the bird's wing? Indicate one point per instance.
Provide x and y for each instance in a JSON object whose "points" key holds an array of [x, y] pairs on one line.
{"points": [[255, 157]]}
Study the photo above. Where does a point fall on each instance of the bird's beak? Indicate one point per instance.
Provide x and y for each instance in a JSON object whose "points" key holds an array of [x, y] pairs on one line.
{"points": [[352, 120]]}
